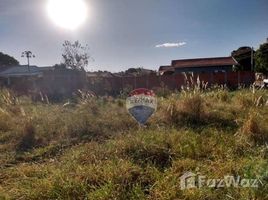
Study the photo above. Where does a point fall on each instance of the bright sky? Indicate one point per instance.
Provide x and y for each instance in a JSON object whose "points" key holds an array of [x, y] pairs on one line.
{"points": [[136, 33]]}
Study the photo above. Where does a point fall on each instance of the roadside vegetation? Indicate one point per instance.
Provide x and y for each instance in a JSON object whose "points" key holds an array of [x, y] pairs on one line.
{"points": [[91, 148]]}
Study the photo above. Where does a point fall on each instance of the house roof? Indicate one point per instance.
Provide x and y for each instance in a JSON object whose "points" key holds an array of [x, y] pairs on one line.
{"points": [[167, 69], [204, 62], [20, 70], [164, 67], [46, 68]]}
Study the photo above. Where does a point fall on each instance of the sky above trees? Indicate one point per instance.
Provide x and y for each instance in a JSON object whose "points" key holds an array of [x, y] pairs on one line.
{"points": [[141, 33]]}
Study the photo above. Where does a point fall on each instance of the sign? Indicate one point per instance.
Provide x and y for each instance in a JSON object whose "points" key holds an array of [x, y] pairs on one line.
{"points": [[141, 104]]}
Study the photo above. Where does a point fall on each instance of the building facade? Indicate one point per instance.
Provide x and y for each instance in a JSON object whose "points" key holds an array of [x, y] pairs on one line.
{"points": [[200, 65]]}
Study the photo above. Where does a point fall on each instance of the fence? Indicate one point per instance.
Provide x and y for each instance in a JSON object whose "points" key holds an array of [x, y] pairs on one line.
{"points": [[61, 84], [113, 85]]}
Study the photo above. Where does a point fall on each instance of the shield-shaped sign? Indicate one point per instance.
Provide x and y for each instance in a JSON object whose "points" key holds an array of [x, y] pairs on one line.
{"points": [[141, 104]]}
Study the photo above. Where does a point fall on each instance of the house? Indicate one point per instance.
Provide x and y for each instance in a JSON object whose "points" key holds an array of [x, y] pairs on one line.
{"points": [[19, 73], [166, 69], [53, 82], [200, 65]]}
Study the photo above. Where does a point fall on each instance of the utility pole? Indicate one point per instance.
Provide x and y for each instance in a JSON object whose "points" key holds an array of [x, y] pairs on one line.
{"points": [[28, 55]]}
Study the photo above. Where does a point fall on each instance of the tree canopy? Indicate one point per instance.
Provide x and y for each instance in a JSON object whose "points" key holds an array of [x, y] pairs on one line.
{"points": [[75, 55], [261, 58], [243, 57], [7, 60]]}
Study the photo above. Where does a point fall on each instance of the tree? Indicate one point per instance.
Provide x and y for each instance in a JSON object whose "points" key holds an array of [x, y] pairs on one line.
{"points": [[243, 56], [75, 55], [6, 60], [261, 58]]}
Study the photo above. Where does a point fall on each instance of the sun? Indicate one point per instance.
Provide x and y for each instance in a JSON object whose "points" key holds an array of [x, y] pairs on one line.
{"points": [[68, 14]]}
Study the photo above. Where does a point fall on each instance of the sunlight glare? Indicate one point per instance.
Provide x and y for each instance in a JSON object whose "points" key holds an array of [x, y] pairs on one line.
{"points": [[68, 14]]}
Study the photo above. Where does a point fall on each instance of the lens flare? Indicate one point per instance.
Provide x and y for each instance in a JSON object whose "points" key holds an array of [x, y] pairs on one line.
{"points": [[68, 14]]}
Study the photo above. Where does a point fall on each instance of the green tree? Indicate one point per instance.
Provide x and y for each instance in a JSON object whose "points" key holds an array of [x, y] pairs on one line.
{"points": [[243, 56], [7, 60], [261, 58], [75, 55]]}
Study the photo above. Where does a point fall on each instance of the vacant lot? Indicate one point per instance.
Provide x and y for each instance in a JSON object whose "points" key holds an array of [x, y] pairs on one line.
{"points": [[90, 148]]}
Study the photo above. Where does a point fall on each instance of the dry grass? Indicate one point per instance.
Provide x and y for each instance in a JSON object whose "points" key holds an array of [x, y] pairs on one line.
{"points": [[91, 148], [28, 138], [252, 132], [181, 110]]}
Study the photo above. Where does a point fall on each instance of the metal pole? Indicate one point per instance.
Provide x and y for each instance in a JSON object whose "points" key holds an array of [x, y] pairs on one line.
{"points": [[28, 59]]}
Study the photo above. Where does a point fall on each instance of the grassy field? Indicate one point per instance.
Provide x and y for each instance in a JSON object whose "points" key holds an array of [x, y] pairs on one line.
{"points": [[92, 149]]}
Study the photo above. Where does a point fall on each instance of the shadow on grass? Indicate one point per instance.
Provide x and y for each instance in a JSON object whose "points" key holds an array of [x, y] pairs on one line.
{"points": [[208, 121]]}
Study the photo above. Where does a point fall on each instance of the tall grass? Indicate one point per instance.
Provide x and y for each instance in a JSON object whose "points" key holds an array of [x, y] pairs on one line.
{"points": [[189, 109], [90, 148]]}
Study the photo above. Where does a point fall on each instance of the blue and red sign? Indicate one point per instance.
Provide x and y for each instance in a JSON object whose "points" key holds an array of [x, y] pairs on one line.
{"points": [[141, 104]]}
